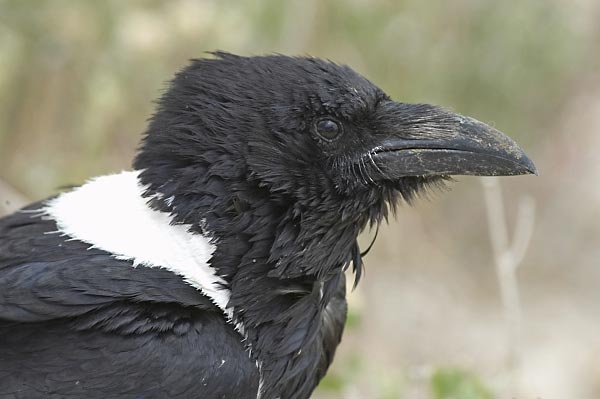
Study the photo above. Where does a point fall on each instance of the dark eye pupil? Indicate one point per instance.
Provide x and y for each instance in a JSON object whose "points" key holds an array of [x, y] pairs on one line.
{"points": [[328, 128]]}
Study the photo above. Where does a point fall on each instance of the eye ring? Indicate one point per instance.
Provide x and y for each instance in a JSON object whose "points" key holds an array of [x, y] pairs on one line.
{"points": [[328, 128]]}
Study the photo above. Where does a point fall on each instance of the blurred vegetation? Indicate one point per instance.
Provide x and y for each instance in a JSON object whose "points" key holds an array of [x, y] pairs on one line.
{"points": [[78, 80], [450, 383]]}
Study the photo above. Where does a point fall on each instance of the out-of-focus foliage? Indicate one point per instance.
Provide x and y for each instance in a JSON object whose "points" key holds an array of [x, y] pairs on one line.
{"points": [[77, 84], [336, 382], [77, 77], [448, 383]]}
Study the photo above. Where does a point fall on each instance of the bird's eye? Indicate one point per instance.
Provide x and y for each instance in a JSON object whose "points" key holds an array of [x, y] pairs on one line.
{"points": [[328, 128]]}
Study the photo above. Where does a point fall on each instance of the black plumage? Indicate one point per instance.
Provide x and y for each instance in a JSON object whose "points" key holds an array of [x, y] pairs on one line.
{"points": [[279, 162]]}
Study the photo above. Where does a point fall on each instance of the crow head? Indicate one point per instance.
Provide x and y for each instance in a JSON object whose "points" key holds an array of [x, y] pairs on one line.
{"points": [[326, 149]]}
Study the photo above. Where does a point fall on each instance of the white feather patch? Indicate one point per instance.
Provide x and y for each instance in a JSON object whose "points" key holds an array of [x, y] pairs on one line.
{"points": [[110, 213]]}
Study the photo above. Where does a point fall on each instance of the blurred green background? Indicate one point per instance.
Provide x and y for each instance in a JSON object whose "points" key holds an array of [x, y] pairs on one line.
{"points": [[77, 84]]}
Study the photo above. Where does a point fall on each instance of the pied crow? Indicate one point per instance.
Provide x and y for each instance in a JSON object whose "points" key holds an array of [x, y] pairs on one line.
{"points": [[215, 267]]}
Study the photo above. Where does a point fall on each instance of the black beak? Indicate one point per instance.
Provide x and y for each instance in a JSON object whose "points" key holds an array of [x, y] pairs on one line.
{"points": [[425, 140]]}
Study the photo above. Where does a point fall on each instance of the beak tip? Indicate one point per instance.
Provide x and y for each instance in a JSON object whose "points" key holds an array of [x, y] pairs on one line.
{"points": [[529, 166], [535, 172]]}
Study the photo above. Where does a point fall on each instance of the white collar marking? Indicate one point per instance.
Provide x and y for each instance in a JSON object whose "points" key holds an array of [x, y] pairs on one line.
{"points": [[110, 213]]}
